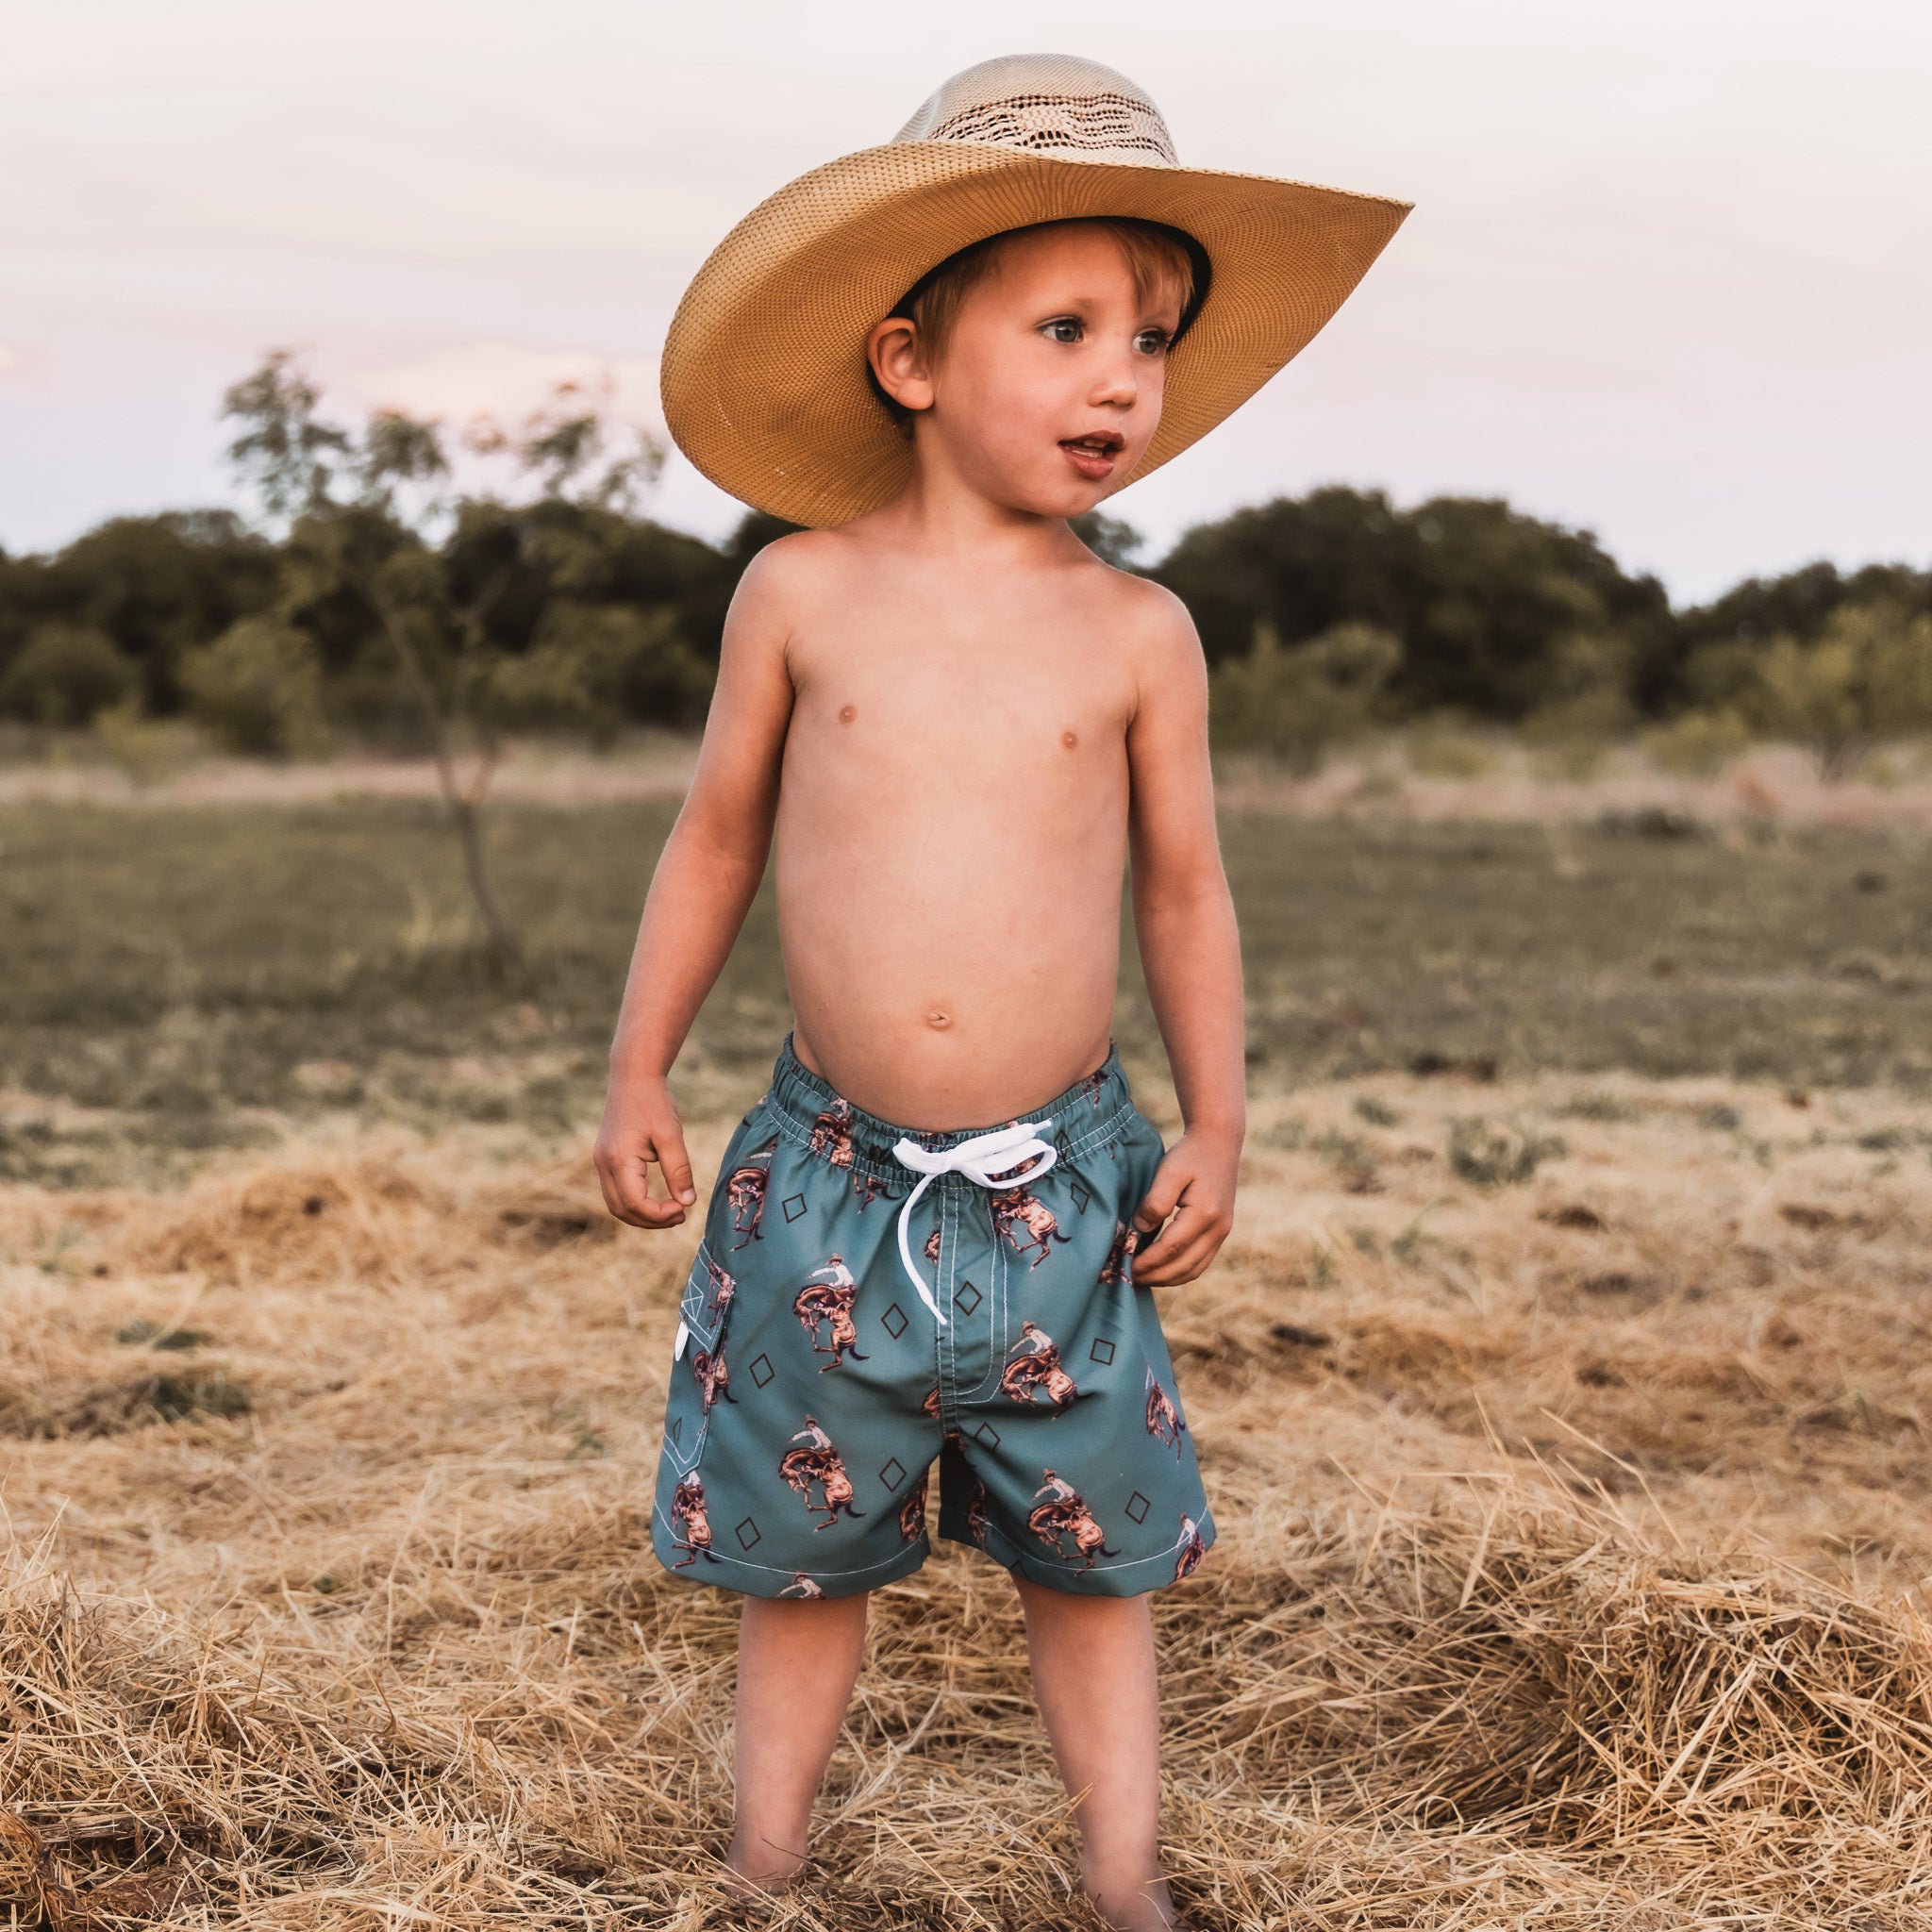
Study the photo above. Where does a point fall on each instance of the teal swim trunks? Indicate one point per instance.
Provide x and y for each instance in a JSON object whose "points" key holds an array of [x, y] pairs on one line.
{"points": [[868, 1301]]}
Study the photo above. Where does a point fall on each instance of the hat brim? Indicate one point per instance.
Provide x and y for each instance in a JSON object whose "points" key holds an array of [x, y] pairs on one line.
{"points": [[764, 375]]}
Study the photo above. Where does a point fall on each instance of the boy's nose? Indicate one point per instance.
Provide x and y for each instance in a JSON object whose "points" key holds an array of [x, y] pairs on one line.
{"points": [[1118, 386]]}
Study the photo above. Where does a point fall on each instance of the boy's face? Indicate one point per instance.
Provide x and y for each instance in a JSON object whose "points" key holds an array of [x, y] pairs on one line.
{"points": [[1048, 388]]}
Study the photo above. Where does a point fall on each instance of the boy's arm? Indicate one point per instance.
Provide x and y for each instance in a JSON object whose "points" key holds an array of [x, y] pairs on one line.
{"points": [[703, 887], [1191, 952]]}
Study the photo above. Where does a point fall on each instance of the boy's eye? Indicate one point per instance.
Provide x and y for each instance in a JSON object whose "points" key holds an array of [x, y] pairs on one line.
{"points": [[1062, 329], [1151, 342]]}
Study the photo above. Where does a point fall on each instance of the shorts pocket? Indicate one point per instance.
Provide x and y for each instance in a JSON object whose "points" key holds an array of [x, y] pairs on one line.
{"points": [[709, 1290], [700, 1376]]}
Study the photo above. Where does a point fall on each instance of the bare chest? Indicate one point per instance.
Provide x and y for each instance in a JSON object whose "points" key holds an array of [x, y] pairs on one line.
{"points": [[1022, 708]]}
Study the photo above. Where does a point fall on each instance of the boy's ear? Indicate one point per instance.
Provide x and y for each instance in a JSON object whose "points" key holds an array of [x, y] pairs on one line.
{"points": [[898, 360]]}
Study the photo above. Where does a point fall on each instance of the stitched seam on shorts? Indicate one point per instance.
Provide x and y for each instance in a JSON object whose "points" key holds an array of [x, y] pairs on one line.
{"points": [[799, 1135], [658, 1516], [949, 1218], [1096, 1137], [1067, 1568], [996, 1293], [1204, 1525], [698, 1285], [942, 1274]]}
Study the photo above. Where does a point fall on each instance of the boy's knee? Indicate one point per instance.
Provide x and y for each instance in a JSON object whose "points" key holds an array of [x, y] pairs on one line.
{"points": [[1079, 1609]]}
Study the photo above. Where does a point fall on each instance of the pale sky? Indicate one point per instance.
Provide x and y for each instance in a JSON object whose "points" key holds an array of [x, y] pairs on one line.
{"points": [[1669, 276]]}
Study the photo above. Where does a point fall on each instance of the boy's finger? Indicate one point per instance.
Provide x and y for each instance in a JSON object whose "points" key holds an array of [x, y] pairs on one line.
{"points": [[654, 1213], [1162, 1197], [676, 1165], [1190, 1242], [610, 1180], [1160, 1251], [1185, 1263], [626, 1185]]}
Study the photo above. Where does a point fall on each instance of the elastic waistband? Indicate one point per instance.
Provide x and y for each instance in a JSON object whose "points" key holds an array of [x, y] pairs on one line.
{"points": [[1087, 1114]]}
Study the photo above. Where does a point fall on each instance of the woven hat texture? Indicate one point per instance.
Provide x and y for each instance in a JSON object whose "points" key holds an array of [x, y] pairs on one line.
{"points": [[764, 376]]}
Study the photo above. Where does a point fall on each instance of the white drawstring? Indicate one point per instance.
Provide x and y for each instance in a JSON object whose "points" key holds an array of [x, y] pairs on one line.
{"points": [[994, 1160]]}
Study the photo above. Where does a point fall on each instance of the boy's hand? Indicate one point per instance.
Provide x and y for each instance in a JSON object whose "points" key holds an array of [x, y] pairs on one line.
{"points": [[1194, 1184], [642, 1128]]}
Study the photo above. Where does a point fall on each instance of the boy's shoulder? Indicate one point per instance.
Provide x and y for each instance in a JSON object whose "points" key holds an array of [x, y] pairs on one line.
{"points": [[1144, 602], [1149, 622], [800, 562], [831, 568]]}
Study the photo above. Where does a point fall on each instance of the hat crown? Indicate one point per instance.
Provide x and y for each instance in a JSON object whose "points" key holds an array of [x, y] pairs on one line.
{"points": [[1047, 103]]}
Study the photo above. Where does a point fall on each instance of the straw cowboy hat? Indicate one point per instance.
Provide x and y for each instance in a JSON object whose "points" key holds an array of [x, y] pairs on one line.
{"points": [[764, 374]]}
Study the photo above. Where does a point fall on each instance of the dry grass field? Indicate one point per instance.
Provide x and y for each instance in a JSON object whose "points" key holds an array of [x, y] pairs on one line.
{"points": [[1576, 1519], [1566, 1423]]}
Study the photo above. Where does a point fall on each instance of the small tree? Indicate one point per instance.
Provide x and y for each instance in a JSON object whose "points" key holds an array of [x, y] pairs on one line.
{"points": [[258, 688], [65, 673], [1297, 702], [377, 511], [1866, 679], [1584, 706]]}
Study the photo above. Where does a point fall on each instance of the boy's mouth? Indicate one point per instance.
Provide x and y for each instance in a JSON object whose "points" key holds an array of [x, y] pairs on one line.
{"points": [[1094, 455]]}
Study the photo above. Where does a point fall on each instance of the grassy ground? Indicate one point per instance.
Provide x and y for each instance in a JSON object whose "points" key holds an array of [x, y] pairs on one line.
{"points": [[1572, 1475], [1563, 1404], [178, 981]]}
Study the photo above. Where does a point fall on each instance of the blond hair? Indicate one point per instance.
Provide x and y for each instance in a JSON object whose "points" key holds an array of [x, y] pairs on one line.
{"points": [[1162, 262]]}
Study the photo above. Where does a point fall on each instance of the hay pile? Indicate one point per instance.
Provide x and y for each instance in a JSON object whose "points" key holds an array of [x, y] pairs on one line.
{"points": [[1572, 1525]]}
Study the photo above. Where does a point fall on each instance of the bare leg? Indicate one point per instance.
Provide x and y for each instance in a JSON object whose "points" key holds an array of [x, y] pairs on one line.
{"points": [[797, 1663], [1093, 1660]]}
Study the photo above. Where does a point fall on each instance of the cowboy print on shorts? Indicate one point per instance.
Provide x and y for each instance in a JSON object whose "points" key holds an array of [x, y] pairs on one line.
{"points": [[744, 1193], [828, 1304], [1034, 1363], [987, 1318], [811, 1459]]}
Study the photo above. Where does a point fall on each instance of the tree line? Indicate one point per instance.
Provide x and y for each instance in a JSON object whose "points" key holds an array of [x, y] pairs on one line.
{"points": [[373, 598]]}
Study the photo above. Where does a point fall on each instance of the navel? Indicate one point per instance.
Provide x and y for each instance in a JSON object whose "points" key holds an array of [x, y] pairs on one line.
{"points": [[938, 1019], [847, 712], [1068, 740]]}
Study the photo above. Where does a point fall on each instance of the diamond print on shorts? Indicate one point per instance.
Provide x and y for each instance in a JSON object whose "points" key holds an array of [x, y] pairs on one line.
{"points": [[761, 1370], [893, 1320], [747, 1534], [1138, 1506], [793, 1205], [1102, 1352], [988, 1435], [1082, 1195], [969, 1298], [894, 1474]]}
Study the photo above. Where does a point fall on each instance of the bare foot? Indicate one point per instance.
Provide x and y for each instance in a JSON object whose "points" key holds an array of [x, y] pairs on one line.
{"points": [[797, 1663], [753, 1873], [1133, 1907]]}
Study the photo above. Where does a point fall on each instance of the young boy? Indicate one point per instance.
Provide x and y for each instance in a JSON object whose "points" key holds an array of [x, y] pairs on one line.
{"points": [[934, 1234]]}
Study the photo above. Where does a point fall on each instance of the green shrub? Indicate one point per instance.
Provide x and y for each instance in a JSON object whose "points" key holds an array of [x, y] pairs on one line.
{"points": [[257, 689], [1868, 678], [64, 673], [595, 665], [1700, 744], [1298, 703], [1585, 707], [149, 750], [1444, 748], [1571, 738]]}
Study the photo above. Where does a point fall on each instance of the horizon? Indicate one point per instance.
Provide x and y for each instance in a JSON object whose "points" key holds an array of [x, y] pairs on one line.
{"points": [[1144, 555], [1667, 280]]}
